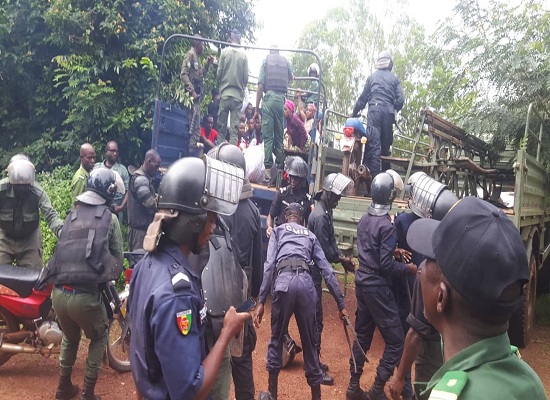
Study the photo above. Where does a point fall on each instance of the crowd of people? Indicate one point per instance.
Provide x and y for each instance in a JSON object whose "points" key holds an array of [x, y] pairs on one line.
{"points": [[193, 330]]}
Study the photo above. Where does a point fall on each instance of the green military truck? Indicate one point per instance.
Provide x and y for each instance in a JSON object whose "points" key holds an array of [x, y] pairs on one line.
{"points": [[515, 180]]}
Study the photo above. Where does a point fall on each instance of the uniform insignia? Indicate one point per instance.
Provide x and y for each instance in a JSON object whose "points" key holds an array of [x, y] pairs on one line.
{"points": [[180, 281], [188, 64], [196, 65], [203, 313], [184, 320], [450, 386]]}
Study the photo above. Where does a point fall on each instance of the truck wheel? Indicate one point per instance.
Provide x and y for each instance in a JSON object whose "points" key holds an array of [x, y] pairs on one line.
{"points": [[7, 325], [523, 319]]}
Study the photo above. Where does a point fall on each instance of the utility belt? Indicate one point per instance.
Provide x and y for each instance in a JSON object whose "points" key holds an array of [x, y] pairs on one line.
{"points": [[277, 93], [292, 265]]}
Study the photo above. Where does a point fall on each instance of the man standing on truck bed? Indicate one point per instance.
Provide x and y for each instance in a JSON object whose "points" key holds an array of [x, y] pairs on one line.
{"points": [[142, 200], [384, 95], [232, 76], [191, 76], [275, 75]]}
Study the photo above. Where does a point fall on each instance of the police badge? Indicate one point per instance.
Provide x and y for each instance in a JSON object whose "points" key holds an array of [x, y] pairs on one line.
{"points": [[184, 320]]}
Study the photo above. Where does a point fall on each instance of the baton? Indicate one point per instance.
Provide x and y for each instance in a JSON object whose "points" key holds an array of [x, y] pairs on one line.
{"points": [[347, 324]]}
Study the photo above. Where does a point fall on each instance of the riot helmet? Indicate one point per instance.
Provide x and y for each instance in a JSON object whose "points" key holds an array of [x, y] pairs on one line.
{"points": [[296, 166], [21, 171], [335, 183], [313, 67], [428, 197], [233, 155], [19, 157], [384, 60], [101, 187], [397, 181], [383, 193]]}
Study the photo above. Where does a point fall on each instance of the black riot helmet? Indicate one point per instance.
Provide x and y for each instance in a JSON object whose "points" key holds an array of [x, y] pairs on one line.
{"points": [[296, 166], [228, 153], [383, 191], [102, 182], [429, 198]]}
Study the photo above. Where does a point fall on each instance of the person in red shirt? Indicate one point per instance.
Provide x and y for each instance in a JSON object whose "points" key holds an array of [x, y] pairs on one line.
{"points": [[209, 135]]}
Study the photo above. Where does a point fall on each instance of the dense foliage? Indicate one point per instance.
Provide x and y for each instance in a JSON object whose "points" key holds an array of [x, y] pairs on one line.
{"points": [[75, 71]]}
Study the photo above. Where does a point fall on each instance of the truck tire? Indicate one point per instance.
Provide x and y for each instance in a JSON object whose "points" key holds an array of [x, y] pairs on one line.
{"points": [[523, 319]]}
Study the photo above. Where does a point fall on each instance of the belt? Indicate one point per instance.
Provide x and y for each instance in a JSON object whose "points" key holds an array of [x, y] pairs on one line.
{"points": [[293, 265], [370, 271], [70, 290]]}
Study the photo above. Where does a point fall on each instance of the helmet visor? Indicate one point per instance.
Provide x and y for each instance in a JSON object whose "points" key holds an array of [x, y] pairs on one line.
{"points": [[223, 186], [341, 185]]}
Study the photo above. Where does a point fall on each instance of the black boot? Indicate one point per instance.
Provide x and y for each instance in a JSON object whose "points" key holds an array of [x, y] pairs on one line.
{"points": [[376, 392], [327, 379], [316, 392], [354, 391], [324, 367], [66, 390], [88, 390]]}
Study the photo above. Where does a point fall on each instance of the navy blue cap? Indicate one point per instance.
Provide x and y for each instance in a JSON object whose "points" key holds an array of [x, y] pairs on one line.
{"points": [[294, 208], [479, 250]]}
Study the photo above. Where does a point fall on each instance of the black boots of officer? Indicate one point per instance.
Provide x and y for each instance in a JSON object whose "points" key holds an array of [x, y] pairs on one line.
{"points": [[354, 391], [88, 390], [66, 390], [272, 383], [376, 392], [316, 392]]}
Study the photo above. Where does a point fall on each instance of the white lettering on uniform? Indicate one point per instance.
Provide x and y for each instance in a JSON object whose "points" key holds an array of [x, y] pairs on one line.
{"points": [[299, 231]]}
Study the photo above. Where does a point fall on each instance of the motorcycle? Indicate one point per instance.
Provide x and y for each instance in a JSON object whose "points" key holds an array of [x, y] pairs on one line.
{"points": [[28, 322], [353, 147]]}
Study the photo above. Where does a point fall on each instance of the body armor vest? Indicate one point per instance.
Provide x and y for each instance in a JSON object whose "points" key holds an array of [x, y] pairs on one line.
{"points": [[82, 254], [276, 73], [19, 217], [139, 216]]}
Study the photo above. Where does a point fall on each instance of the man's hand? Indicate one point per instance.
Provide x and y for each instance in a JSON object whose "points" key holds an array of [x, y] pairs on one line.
{"points": [[402, 254], [396, 387], [348, 264], [233, 321], [412, 268], [210, 59], [255, 116], [195, 95], [258, 315], [118, 208], [268, 231]]}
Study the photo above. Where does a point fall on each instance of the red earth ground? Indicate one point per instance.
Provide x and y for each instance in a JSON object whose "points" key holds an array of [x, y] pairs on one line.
{"points": [[33, 377]]}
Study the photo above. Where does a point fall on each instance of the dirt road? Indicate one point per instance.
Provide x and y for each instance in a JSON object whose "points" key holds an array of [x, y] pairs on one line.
{"points": [[33, 377]]}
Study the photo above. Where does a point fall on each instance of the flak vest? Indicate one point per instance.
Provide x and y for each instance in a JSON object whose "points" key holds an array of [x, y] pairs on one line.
{"points": [[276, 73], [82, 254], [19, 218]]}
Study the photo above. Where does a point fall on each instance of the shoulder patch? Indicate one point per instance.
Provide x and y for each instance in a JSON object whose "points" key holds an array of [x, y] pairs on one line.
{"points": [[184, 320], [283, 189], [180, 281], [450, 386]]}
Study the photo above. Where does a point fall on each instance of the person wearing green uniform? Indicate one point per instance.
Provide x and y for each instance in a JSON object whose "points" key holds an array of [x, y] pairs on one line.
{"points": [[472, 281], [275, 75], [22, 200], [87, 162], [88, 256], [233, 76]]}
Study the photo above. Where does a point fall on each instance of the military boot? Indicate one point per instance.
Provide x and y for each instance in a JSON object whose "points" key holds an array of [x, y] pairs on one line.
{"points": [[316, 392], [267, 177], [376, 392], [66, 390], [88, 390], [354, 391]]}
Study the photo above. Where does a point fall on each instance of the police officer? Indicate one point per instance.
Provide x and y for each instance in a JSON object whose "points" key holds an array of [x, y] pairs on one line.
{"points": [[191, 76], [88, 255], [472, 281], [295, 192], [275, 75], [245, 228], [166, 303], [428, 198], [383, 94], [322, 225], [313, 90], [376, 306], [22, 199], [292, 249], [142, 201]]}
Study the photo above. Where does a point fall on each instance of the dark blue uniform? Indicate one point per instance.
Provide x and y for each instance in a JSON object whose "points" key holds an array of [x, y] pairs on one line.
{"points": [[285, 196], [245, 228], [168, 325], [376, 306], [384, 95], [294, 293], [321, 224]]}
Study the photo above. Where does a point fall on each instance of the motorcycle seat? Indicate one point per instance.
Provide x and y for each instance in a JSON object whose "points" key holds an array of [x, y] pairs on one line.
{"points": [[19, 279]]}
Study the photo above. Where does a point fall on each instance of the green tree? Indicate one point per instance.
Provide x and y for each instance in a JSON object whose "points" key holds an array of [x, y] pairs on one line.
{"points": [[87, 70]]}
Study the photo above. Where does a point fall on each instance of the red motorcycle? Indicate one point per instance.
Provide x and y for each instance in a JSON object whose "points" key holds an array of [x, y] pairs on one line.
{"points": [[28, 323]]}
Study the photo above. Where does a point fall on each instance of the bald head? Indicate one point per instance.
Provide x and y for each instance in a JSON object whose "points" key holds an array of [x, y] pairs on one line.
{"points": [[87, 156], [151, 164]]}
